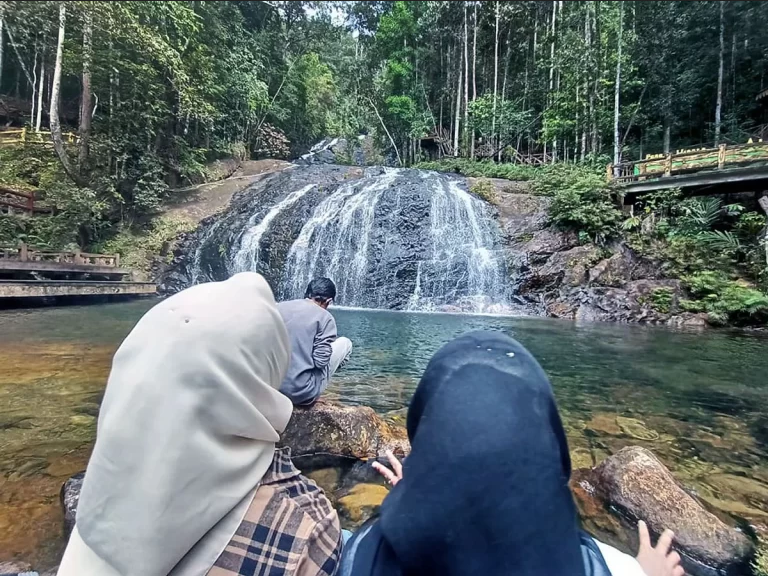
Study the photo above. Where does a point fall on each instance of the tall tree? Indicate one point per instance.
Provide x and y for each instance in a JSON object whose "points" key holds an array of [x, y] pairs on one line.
{"points": [[495, 72], [58, 142], [719, 105], [617, 96], [2, 39], [85, 97], [467, 129]]}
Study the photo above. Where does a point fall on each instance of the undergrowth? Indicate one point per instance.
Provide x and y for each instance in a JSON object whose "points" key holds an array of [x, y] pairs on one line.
{"points": [[138, 246], [484, 190]]}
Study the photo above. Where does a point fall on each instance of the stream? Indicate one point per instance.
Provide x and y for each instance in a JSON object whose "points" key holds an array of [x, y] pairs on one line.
{"points": [[699, 400]]}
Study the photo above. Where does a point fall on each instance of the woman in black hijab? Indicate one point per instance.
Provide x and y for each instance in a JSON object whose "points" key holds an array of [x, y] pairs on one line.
{"points": [[485, 488]]}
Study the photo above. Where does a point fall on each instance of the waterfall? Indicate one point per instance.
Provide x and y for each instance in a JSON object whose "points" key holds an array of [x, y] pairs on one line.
{"points": [[402, 238], [338, 231], [390, 238], [247, 256]]}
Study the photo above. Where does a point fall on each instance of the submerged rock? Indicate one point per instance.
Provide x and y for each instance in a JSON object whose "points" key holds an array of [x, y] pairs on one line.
{"points": [[638, 485], [360, 503]]}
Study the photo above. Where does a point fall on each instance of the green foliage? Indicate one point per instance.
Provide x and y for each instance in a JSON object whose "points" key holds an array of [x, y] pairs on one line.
{"points": [[661, 300], [138, 246], [760, 562], [483, 169], [485, 190], [582, 202], [725, 300]]}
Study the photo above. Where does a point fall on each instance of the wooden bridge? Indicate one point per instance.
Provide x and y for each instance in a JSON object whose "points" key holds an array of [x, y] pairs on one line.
{"points": [[29, 273], [725, 169]]}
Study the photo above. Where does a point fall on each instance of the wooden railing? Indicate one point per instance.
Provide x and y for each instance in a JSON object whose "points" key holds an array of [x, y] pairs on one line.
{"points": [[686, 161], [14, 200], [24, 253], [24, 135]]}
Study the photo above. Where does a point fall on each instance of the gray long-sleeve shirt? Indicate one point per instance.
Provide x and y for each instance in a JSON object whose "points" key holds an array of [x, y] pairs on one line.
{"points": [[311, 330]]}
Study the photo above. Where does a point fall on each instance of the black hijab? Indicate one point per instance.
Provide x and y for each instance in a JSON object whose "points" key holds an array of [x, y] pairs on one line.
{"points": [[485, 488]]}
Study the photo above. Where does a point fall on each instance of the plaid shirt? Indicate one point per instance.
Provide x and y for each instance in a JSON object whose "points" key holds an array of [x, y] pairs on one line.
{"points": [[290, 529]]}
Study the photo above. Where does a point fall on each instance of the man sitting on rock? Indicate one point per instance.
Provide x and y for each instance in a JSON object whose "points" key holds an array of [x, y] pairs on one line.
{"points": [[316, 350]]}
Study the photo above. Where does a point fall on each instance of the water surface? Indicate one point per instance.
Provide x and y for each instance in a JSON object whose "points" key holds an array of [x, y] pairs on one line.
{"points": [[700, 401]]}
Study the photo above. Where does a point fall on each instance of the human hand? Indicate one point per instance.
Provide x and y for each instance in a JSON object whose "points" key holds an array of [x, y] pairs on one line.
{"points": [[658, 561], [392, 476]]}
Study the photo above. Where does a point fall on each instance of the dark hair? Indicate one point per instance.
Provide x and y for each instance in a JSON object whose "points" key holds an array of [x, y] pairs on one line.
{"points": [[321, 289]]}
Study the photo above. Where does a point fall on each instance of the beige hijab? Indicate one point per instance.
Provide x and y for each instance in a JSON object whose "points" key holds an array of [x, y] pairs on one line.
{"points": [[186, 432]]}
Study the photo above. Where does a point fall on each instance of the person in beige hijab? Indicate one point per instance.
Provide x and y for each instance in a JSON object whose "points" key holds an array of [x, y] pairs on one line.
{"points": [[185, 479]]}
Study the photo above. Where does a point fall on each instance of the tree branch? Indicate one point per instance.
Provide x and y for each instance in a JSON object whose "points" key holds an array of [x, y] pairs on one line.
{"points": [[391, 140]]}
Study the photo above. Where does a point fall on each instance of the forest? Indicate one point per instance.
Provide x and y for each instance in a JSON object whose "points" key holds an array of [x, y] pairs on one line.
{"points": [[123, 102]]}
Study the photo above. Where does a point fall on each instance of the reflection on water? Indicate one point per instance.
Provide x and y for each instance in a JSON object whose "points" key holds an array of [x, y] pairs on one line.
{"points": [[700, 401]]}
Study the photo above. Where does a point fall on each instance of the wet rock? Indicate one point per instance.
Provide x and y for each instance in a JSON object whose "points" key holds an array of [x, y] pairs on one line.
{"points": [[636, 429], [567, 268], [14, 567], [638, 485], [331, 431], [521, 215], [70, 496], [360, 503], [689, 320]]}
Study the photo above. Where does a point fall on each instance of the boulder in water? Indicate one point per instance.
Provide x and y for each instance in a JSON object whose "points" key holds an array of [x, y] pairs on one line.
{"points": [[634, 482], [352, 432]]}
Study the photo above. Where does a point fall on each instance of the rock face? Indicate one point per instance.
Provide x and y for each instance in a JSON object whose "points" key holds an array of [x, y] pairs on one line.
{"points": [[551, 271], [353, 432], [634, 482], [390, 238]]}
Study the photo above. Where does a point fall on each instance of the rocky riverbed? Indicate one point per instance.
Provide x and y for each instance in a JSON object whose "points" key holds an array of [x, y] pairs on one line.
{"points": [[335, 443]]}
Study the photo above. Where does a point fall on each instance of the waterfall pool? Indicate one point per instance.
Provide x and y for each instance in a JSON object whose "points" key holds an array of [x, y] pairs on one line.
{"points": [[700, 401]]}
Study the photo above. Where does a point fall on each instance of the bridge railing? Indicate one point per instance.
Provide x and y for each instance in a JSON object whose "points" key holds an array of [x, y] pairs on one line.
{"points": [[24, 135], [687, 161], [24, 253]]}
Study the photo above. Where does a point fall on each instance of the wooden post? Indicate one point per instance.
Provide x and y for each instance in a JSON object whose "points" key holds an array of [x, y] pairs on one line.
{"points": [[668, 165], [23, 254], [117, 260], [24, 134], [609, 172], [78, 259], [720, 156], [31, 203]]}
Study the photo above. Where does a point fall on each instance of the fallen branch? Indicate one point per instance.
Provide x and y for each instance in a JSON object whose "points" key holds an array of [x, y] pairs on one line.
{"points": [[391, 140]]}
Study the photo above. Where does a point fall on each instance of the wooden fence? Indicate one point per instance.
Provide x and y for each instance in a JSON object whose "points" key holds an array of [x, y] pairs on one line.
{"points": [[24, 135], [24, 253], [13, 201], [688, 161]]}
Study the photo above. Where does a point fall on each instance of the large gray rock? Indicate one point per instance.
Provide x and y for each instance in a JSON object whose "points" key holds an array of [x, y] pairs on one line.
{"points": [[635, 483]]}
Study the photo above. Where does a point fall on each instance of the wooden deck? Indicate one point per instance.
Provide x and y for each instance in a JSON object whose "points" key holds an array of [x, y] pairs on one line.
{"points": [[62, 288], [727, 168]]}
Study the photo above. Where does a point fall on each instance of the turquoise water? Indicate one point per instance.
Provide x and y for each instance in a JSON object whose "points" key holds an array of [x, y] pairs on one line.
{"points": [[699, 400]]}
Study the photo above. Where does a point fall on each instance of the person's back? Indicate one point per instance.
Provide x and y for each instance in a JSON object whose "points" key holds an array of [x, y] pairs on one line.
{"points": [[316, 351]]}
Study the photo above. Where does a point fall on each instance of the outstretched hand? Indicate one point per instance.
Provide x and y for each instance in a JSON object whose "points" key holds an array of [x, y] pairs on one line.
{"points": [[392, 476], [658, 561]]}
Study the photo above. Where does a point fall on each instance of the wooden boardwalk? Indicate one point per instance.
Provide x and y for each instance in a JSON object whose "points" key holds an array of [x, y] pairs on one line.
{"points": [[727, 168], [29, 273]]}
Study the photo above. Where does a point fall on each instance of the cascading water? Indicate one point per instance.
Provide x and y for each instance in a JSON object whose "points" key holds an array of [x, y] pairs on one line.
{"points": [[389, 238], [359, 235], [247, 257]]}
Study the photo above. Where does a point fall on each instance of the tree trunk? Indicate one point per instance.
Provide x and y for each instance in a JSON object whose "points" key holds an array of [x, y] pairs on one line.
{"points": [[719, 107], [467, 132], [58, 143], [474, 56], [595, 95], [85, 100], [41, 86], [616, 97], [457, 122], [2, 23], [495, 77], [34, 88]]}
